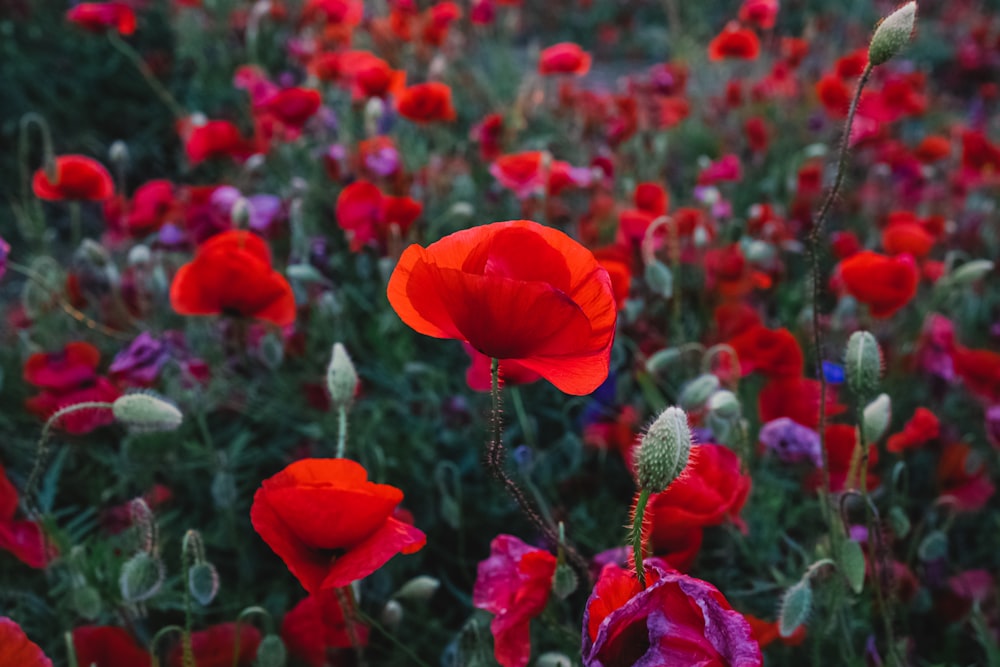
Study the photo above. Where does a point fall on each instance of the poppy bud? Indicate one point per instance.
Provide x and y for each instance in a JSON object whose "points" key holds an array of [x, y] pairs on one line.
{"points": [[87, 602], [970, 272], [341, 377], [863, 363], [698, 391], [664, 451], [724, 404], [146, 412], [933, 547], [564, 581], [876, 417], [139, 255], [203, 583], [271, 652], [553, 659], [660, 278], [795, 607], [392, 614], [420, 588], [658, 361], [892, 34], [374, 110], [240, 213], [141, 577], [118, 153]]}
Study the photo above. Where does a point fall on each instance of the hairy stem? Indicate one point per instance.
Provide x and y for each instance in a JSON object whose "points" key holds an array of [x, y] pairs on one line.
{"points": [[636, 536]]}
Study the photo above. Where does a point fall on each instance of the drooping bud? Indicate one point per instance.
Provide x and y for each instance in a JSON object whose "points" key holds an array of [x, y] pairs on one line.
{"points": [[664, 450], [203, 583], [795, 607], [933, 547], [876, 417], [271, 652], [141, 577], [146, 412], [696, 392], [724, 405], [392, 614], [863, 364], [420, 588], [341, 377], [87, 602], [892, 34]]}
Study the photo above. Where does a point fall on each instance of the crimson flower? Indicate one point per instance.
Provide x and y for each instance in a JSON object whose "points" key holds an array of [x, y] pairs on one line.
{"points": [[215, 138], [99, 16], [923, 427], [67, 377], [762, 13], [78, 178], [370, 76], [108, 646], [366, 215], [734, 42], [22, 539], [676, 621], [231, 274], [773, 352], [979, 370], [513, 290], [216, 646], [964, 478], [796, 398], [293, 107], [426, 103], [17, 649], [329, 524], [316, 624], [885, 284], [514, 585], [564, 58]]}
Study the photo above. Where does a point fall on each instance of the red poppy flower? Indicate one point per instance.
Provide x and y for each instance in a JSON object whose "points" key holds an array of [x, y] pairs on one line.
{"points": [[675, 621], [78, 178], [293, 107], [734, 42], [933, 148], [513, 290], [835, 96], [17, 649], [520, 172], [426, 103], [921, 429], [217, 645], [797, 399], [964, 478], [853, 64], [885, 284], [72, 366], [68, 377], [99, 390], [757, 134], [346, 12], [564, 58], [845, 244], [231, 274], [108, 646], [514, 585], [366, 215], [775, 353], [841, 441], [617, 261], [733, 319], [761, 13], [151, 204], [317, 624], [216, 138], [370, 76], [22, 539], [479, 375], [615, 433], [979, 370], [794, 50], [729, 273], [329, 524], [99, 16]]}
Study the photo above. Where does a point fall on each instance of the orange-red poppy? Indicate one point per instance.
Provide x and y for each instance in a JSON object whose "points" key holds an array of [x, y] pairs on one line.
{"points": [[329, 524], [564, 58], [734, 42], [426, 103], [78, 178], [366, 215], [885, 284], [513, 290], [17, 649], [100, 16], [231, 274]]}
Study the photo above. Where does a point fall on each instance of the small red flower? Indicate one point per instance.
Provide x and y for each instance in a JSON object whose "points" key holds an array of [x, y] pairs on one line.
{"points": [[68, 377], [317, 624], [979, 370], [22, 539], [964, 478], [513, 290], [366, 215], [426, 103], [521, 172], [885, 284], [17, 649], [108, 646], [761, 13], [329, 524], [74, 365], [231, 274], [217, 645], [564, 58], [775, 353], [513, 584], [370, 76], [99, 16], [933, 148], [921, 429], [734, 42], [149, 209], [835, 96], [797, 399], [78, 178], [293, 107], [216, 138]]}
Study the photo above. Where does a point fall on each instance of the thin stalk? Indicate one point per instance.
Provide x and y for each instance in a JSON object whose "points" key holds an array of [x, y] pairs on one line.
{"points": [[636, 536], [345, 599], [133, 56], [155, 642], [341, 431], [522, 417]]}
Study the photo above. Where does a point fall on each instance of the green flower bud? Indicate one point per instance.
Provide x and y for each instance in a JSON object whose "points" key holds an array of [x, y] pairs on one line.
{"points": [[392, 614], [341, 377], [970, 272], [660, 278], [933, 547], [697, 391], [271, 652], [118, 153], [892, 34], [141, 577], [87, 602], [420, 588], [203, 583], [564, 581], [146, 412], [863, 364], [664, 451], [899, 522], [725, 405], [553, 659], [658, 361], [795, 608], [876, 418]]}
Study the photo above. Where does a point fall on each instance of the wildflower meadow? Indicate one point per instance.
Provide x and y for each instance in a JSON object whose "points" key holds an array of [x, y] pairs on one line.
{"points": [[499, 333]]}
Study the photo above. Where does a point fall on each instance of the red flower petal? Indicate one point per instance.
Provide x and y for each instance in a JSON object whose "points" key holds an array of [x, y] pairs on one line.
{"points": [[16, 649]]}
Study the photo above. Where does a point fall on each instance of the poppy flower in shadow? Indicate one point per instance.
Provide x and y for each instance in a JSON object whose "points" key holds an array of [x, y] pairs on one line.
{"points": [[885, 284], [67, 377], [564, 58], [22, 539], [317, 624], [231, 274], [108, 646], [513, 290], [78, 178], [100, 16], [734, 42], [426, 103], [17, 649], [215, 138], [329, 524], [217, 646]]}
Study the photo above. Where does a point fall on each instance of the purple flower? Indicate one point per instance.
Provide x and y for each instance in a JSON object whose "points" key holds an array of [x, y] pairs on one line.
{"points": [[384, 161], [791, 442], [265, 211], [4, 251], [141, 362], [993, 425]]}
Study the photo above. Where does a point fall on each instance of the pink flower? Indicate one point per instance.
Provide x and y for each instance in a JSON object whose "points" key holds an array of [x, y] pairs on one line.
{"points": [[513, 584]]}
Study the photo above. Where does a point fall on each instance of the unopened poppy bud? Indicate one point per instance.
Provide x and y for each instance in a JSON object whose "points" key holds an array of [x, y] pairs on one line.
{"points": [[272, 351], [876, 417], [462, 209], [863, 363], [851, 562], [795, 607], [664, 450], [141, 577], [698, 391], [659, 361], [970, 272], [374, 110], [92, 253], [144, 524], [203, 583], [899, 522], [933, 547], [87, 602], [341, 377], [420, 588], [240, 213], [553, 659], [139, 255], [224, 489], [564, 581], [271, 652], [892, 34], [392, 614], [660, 278], [724, 404], [118, 153], [146, 412]]}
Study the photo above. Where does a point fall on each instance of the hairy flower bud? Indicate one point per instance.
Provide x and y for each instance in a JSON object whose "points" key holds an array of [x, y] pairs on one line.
{"points": [[876, 417], [725, 405], [341, 377], [141, 577], [392, 614], [664, 450], [863, 364], [203, 583], [87, 602], [146, 411], [892, 34], [795, 607]]}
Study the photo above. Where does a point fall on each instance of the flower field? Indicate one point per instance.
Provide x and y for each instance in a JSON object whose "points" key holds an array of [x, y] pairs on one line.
{"points": [[499, 333]]}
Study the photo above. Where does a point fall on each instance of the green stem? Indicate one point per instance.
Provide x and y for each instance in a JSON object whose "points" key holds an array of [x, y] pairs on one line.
{"points": [[522, 417], [341, 431], [186, 646], [126, 50], [71, 650], [155, 642], [246, 613], [636, 537]]}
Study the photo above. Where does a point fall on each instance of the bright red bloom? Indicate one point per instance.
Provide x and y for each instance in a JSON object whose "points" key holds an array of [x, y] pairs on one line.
{"points": [[108, 646], [762, 13], [835, 96], [426, 103], [329, 524], [676, 621], [885, 284], [617, 261], [979, 370], [293, 107], [369, 75], [964, 478], [921, 429], [99, 16], [908, 238], [78, 178], [514, 585], [520, 172], [564, 58], [797, 399], [150, 207], [22, 539], [757, 134], [932, 148], [99, 390], [72, 366], [513, 290], [231, 274], [17, 649], [68, 377], [366, 215], [316, 624], [773, 352], [216, 646], [853, 64], [216, 138], [734, 42], [728, 272], [346, 12]]}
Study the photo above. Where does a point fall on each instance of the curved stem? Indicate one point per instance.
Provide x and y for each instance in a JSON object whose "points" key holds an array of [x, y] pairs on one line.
{"points": [[154, 643]]}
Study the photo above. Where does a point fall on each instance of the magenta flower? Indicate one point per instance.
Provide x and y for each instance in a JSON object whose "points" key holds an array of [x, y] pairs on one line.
{"points": [[514, 585]]}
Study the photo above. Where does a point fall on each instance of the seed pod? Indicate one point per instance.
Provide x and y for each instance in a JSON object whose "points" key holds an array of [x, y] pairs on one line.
{"points": [[141, 577], [892, 34], [664, 450], [863, 364], [341, 377]]}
